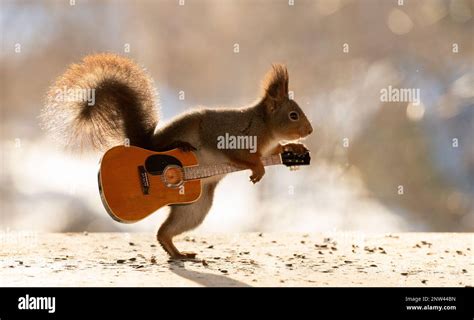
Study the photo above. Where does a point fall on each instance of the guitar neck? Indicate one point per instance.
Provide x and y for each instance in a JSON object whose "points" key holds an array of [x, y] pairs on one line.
{"points": [[205, 171]]}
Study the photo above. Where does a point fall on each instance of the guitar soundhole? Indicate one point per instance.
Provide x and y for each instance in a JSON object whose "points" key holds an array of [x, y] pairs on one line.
{"points": [[156, 164]]}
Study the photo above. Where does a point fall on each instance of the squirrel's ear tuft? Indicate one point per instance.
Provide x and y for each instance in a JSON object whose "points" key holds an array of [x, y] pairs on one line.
{"points": [[276, 82]]}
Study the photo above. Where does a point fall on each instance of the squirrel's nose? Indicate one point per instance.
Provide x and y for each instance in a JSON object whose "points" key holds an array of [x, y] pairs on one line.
{"points": [[310, 129]]}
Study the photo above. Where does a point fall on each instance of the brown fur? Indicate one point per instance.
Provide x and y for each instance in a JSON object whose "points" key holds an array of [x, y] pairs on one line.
{"points": [[267, 119], [125, 108], [124, 104], [275, 83]]}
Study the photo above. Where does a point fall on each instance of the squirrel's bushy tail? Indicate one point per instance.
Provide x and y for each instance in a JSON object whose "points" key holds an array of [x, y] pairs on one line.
{"points": [[100, 102]]}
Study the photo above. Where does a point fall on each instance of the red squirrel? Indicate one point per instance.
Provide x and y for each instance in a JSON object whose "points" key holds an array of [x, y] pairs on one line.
{"points": [[125, 108]]}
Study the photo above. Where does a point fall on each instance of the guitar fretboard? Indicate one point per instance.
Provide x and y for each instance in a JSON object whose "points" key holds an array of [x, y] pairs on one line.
{"points": [[199, 172]]}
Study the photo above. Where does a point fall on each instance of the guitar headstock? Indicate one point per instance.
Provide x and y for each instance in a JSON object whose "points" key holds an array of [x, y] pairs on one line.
{"points": [[292, 159]]}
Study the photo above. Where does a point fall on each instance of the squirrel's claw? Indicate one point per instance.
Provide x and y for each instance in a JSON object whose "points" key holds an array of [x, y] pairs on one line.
{"points": [[257, 176], [184, 256], [254, 180]]}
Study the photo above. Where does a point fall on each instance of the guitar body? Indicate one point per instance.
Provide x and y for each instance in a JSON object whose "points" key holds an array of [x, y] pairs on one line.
{"points": [[135, 182]]}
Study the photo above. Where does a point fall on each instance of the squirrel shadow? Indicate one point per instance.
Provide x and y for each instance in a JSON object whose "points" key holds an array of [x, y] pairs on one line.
{"points": [[203, 278]]}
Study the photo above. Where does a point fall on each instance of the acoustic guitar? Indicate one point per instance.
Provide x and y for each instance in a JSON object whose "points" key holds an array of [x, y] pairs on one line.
{"points": [[135, 182]]}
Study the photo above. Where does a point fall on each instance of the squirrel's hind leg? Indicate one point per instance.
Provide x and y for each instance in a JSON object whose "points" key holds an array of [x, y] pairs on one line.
{"points": [[183, 218]]}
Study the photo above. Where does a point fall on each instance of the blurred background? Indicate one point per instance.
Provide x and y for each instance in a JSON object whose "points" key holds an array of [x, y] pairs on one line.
{"points": [[377, 165]]}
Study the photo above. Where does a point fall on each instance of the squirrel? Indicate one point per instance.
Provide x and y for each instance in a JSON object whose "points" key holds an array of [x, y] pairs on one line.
{"points": [[125, 107]]}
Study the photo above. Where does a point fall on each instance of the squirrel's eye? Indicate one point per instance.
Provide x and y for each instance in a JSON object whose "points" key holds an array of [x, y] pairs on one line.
{"points": [[294, 116]]}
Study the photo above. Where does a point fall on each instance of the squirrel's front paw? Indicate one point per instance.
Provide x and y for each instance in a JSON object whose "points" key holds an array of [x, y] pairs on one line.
{"points": [[257, 174], [295, 147]]}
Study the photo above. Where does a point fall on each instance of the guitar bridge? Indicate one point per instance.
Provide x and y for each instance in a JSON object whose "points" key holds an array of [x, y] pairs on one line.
{"points": [[145, 183]]}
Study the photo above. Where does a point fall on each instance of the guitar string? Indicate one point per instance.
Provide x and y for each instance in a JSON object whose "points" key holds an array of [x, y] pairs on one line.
{"points": [[199, 172]]}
